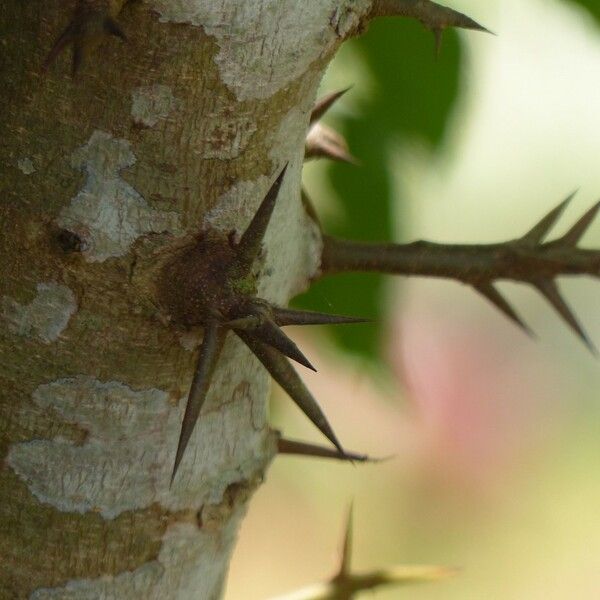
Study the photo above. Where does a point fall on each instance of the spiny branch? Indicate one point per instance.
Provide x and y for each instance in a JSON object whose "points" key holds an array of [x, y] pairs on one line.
{"points": [[529, 259], [346, 585]]}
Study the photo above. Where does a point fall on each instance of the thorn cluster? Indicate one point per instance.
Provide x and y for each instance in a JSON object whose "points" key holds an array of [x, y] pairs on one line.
{"points": [[530, 259], [91, 23], [212, 284], [346, 585]]}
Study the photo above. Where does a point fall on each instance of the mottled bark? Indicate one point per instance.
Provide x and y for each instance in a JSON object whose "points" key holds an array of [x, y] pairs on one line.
{"points": [[181, 127]]}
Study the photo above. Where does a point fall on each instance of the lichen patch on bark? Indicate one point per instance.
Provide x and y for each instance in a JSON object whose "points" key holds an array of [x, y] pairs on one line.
{"points": [[45, 317], [108, 214], [26, 165], [292, 34], [151, 103]]}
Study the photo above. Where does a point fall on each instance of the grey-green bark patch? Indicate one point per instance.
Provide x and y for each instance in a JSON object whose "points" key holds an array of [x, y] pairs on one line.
{"points": [[26, 165], [45, 317], [108, 214], [266, 44], [190, 565], [151, 103]]}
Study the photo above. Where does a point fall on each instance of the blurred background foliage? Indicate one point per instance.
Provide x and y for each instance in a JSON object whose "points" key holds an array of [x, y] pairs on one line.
{"points": [[412, 98], [494, 437]]}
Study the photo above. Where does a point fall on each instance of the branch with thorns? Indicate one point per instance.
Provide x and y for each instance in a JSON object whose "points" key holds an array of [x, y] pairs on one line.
{"points": [[346, 585], [531, 259]]}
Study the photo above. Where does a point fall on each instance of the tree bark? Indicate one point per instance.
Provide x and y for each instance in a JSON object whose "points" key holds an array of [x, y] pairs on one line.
{"points": [[180, 128]]}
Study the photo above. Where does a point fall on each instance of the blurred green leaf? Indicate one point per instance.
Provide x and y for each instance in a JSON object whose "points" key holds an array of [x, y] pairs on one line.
{"points": [[413, 97], [593, 6]]}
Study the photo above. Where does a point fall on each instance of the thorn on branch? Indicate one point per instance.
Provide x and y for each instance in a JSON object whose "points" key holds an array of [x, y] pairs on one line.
{"points": [[86, 31], [297, 448], [530, 259], [433, 16]]}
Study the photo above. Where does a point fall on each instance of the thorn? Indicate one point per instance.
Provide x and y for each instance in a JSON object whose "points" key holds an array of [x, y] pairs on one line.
{"points": [[65, 38], [550, 291], [346, 546], [293, 447], [112, 27], [212, 343], [539, 231], [84, 33], [285, 375], [269, 333], [489, 291], [251, 241], [431, 15], [577, 231], [290, 316], [324, 142], [323, 104]]}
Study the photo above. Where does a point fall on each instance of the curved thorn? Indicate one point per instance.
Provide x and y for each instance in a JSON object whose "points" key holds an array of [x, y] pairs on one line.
{"points": [[539, 231], [322, 105], [296, 448], [251, 241], [112, 27], [212, 343], [290, 316], [549, 290], [577, 231], [285, 375], [489, 291], [431, 14], [269, 333]]}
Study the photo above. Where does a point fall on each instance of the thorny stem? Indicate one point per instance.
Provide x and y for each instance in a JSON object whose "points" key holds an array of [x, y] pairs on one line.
{"points": [[528, 259], [471, 264]]}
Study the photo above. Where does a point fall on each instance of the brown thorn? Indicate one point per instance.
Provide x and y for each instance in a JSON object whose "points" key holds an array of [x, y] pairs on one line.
{"points": [[112, 27], [324, 142], [285, 375], [269, 333], [212, 343], [489, 291], [252, 238], [323, 104], [346, 546], [432, 15], [550, 291], [296, 448], [289, 316], [65, 38], [577, 231], [540, 230]]}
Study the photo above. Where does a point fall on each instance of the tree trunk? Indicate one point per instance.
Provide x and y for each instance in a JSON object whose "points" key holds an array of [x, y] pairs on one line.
{"points": [[184, 126]]}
